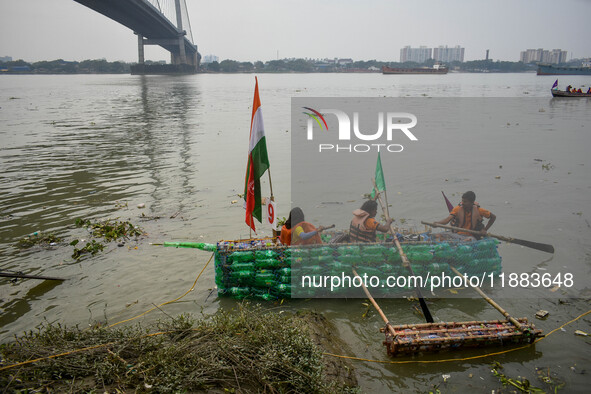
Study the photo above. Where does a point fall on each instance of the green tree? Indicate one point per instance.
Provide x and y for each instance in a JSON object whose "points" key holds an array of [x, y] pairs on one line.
{"points": [[246, 66], [213, 66], [229, 66], [276, 65]]}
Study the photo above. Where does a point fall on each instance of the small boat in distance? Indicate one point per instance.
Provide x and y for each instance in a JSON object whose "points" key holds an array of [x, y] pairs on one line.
{"points": [[564, 93], [436, 69], [569, 92]]}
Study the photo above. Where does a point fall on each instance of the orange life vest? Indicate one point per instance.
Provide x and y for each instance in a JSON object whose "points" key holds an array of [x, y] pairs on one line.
{"points": [[307, 227], [285, 236], [476, 219], [358, 232]]}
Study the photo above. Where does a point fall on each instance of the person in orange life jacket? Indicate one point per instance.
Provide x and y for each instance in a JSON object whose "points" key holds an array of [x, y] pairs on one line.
{"points": [[470, 216], [296, 231], [363, 226]]}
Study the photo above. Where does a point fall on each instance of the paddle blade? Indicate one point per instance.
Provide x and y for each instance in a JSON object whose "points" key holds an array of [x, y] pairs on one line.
{"points": [[534, 245], [425, 309]]}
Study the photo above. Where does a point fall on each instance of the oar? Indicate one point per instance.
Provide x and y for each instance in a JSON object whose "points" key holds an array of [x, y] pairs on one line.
{"points": [[534, 245], [490, 301], [405, 261], [16, 275]]}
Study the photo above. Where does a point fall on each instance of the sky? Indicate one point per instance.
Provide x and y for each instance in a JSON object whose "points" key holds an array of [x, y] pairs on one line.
{"points": [[264, 30]]}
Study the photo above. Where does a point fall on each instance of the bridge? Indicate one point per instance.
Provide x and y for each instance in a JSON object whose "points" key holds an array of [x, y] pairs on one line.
{"points": [[151, 21]]}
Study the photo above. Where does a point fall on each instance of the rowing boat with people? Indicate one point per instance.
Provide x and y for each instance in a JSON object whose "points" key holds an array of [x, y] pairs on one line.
{"points": [[564, 93], [397, 262]]}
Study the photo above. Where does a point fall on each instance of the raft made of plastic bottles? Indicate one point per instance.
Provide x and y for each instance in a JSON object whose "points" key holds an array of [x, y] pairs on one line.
{"points": [[261, 268]]}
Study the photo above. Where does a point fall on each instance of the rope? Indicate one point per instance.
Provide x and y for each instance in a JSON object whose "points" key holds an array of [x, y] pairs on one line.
{"points": [[167, 302], [112, 325], [325, 354], [457, 359]]}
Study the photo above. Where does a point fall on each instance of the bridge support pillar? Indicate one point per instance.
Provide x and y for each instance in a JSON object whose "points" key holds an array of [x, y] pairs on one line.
{"points": [[140, 48], [180, 57]]}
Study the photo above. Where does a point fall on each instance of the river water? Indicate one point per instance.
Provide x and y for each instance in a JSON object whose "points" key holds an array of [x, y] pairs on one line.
{"points": [[97, 146]]}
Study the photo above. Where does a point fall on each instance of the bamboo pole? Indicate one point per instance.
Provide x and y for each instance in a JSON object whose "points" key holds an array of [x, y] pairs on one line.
{"points": [[405, 261], [377, 307], [494, 304], [24, 276], [270, 184]]}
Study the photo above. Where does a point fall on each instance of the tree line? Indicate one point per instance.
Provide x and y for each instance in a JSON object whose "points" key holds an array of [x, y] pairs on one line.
{"points": [[61, 66], [305, 65], [102, 66]]}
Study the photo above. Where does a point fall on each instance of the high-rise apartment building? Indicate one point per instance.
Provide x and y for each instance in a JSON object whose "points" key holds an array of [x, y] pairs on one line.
{"points": [[210, 59], [447, 55], [555, 56], [419, 55]]}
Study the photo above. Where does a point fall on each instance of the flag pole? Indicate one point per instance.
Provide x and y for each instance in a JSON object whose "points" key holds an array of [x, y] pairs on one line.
{"points": [[270, 183], [387, 209]]}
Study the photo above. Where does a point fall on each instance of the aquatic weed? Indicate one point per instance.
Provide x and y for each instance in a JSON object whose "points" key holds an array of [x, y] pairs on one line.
{"points": [[38, 238], [110, 229], [91, 247]]}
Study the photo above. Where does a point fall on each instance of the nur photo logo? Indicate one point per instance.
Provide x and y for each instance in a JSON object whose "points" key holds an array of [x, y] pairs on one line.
{"points": [[390, 125]]}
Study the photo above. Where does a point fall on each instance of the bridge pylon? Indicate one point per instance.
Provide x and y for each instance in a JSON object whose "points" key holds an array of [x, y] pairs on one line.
{"points": [[148, 20], [184, 57]]}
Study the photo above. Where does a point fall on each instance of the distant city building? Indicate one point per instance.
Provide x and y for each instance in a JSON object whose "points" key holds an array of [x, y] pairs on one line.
{"points": [[344, 62], [555, 56], [210, 59], [5, 58], [447, 55], [419, 55]]}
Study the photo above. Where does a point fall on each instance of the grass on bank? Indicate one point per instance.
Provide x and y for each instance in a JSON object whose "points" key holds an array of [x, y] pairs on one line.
{"points": [[249, 350]]}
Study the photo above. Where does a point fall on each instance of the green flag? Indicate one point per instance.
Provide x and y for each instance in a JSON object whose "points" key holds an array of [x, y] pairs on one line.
{"points": [[380, 183]]}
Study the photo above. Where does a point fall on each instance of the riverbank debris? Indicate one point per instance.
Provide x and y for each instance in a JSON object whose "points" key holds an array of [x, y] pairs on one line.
{"points": [[521, 383], [246, 349], [542, 314]]}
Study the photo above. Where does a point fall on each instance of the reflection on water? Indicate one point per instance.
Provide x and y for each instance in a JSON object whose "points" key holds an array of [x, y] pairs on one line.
{"points": [[115, 145], [128, 144], [16, 307], [97, 146]]}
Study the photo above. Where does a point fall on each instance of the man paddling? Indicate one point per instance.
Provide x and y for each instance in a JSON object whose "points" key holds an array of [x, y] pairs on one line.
{"points": [[470, 216], [363, 226]]}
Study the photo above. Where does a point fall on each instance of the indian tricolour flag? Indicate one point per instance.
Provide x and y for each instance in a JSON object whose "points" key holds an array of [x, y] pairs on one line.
{"points": [[258, 162]]}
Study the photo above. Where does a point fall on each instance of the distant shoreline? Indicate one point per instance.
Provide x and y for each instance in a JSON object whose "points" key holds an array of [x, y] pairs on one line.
{"points": [[280, 66], [255, 72]]}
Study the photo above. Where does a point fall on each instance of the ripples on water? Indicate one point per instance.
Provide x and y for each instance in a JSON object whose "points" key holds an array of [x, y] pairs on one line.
{"points": [[84, 146]]}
